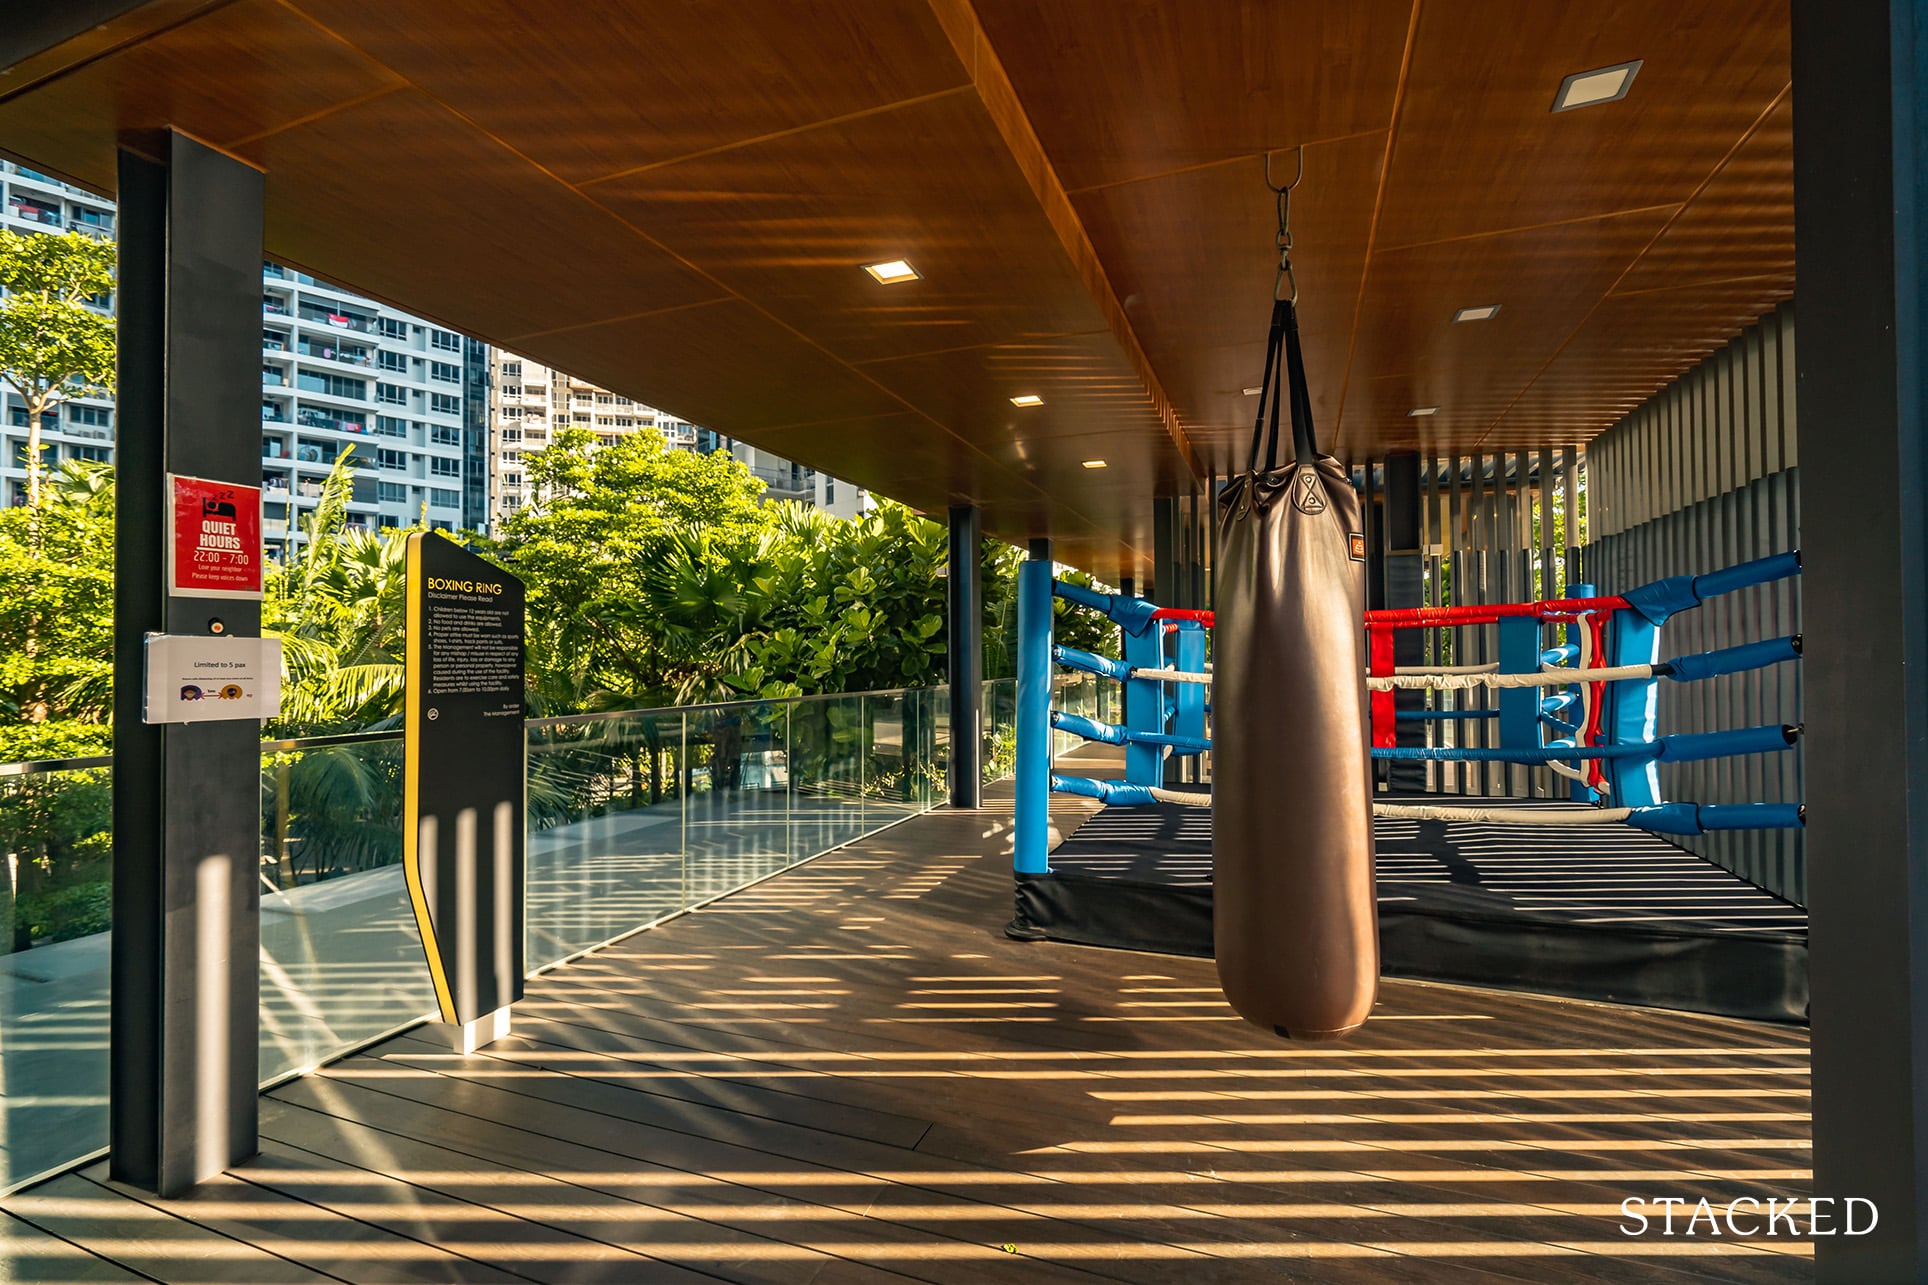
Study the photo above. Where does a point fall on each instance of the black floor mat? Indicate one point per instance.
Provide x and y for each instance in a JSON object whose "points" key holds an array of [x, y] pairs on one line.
{"points": [[1598, 912]]}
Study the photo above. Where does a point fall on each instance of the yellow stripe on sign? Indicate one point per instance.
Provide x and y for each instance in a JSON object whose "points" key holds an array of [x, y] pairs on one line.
{"points": [[412, 776]]}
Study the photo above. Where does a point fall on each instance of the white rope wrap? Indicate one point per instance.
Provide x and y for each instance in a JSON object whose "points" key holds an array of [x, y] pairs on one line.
{"points": [[1587, 659], [1561, 769], [1173, 676], [1490, 667], [1436, 680], [1506, 816], [1180, 796]]}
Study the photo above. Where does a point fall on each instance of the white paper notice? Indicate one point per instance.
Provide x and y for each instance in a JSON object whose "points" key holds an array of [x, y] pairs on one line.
{"points": [[205, 679]]}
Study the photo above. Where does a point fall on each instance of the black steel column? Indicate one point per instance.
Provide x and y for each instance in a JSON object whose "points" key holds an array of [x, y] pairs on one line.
{"points": [[1402, 573], [966, 657], [1041, 549], [1167, 582], [1859, 233], [1164, 551], [187, 799]]}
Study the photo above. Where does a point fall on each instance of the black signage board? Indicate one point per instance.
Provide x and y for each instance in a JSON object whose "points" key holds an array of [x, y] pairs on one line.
{"points": [[464, 778]]}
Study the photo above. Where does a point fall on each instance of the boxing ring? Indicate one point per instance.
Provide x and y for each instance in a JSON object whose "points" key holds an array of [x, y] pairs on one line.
{"points": [[1582, 897]]}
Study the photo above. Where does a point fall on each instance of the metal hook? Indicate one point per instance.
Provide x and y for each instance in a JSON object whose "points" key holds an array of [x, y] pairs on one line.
{"points": [[1295, 179], [1284, 240]]}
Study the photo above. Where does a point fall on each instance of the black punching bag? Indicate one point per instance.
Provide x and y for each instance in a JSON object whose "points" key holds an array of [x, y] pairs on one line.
{"points": [[1293, 911]]}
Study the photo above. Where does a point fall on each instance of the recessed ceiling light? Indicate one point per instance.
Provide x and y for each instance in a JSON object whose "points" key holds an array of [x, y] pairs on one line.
{"points": [[1027, 399], [1253, 392], [1485, 312], [1423, 410], [893, 272], [1094, 464], [1602, 85]]}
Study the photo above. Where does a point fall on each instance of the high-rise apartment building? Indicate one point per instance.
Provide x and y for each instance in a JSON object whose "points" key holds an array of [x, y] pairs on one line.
{"points": [[83, 428], [529, 403], [786, 480], [438, 423], [338, 371], [341, 373]]}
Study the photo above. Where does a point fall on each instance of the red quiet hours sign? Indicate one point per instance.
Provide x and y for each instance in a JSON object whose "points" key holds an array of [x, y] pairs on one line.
{"points": [[213, 539]]}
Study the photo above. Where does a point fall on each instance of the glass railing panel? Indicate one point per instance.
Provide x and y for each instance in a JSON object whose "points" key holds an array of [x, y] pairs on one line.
{"points": [[631, 818], [605, 850], [341, 961], [941, 742], [1000, 728], [830, 761], [736, 820], [935, 748], [53, 974], [897, 770]]}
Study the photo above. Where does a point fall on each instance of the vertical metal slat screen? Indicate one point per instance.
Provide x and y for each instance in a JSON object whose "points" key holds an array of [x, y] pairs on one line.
{"points": [[1700, 476], [1703, 475]]}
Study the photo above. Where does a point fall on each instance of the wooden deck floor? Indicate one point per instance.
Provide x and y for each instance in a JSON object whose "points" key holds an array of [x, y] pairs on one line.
{"points": [[847, 1074]]}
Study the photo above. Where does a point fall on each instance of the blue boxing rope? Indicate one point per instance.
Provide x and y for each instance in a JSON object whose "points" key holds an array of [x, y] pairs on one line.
{"points": [[1090, 662], [1675, 594], [1163, 687], [1112, 734], [1133, 615], [1685, 747]]}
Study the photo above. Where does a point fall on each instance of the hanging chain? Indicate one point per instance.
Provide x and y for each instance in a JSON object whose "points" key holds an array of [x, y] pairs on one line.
{"points": [[1285, 276]]}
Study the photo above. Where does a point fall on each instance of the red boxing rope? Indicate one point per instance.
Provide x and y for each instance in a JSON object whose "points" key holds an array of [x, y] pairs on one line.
{"points": [[1435, 617], [1379, 662], [1556, 610], [1596, 699]]}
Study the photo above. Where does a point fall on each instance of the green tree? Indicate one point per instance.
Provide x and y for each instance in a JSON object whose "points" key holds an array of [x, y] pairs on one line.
{"points": [[337, 605], [53, 345], [56, 693], [602, 515], [57, 606]]}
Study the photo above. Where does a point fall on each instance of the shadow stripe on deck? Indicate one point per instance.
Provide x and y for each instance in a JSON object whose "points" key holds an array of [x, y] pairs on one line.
{"points": [[862, 1080]]}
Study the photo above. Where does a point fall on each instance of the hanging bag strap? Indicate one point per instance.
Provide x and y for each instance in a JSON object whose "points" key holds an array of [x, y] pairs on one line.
{"points": [[1284, 379], [1304, 441], [1268, 392]]}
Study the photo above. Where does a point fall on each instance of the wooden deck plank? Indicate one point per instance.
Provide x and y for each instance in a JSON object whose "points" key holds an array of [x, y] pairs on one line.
{"points": [[895, 1128], [239, 1206], [807, 1162], [1742, 1062], [765, 1200], [151, 1242], [1160, 1208], [521, 1220], [28, 1254], [849, 1075]]}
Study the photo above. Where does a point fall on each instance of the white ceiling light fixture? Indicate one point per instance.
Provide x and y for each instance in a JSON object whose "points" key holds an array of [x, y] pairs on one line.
{"points": [[1095, 464], [1485, 312], [1601, 85], [1422, 410], [1027, 399], [1253, 392], [890, 274]]}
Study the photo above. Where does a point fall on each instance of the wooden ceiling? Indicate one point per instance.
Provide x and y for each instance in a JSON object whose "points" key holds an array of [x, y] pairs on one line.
{"points": [[674, 200]]}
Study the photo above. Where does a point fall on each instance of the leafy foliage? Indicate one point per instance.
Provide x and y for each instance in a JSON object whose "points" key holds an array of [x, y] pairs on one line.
{"points": [[601, 514], [57, 613], [655, 577], [338, 607], [53, 346]]}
